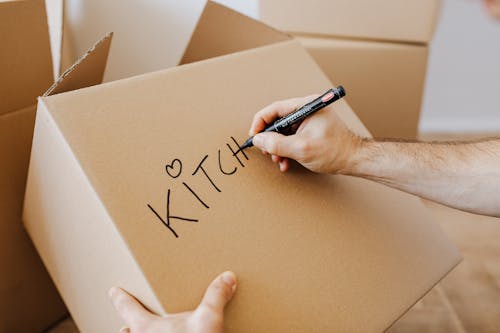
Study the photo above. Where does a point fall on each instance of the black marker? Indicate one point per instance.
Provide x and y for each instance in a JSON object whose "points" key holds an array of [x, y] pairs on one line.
{"points": [[284, 124]]}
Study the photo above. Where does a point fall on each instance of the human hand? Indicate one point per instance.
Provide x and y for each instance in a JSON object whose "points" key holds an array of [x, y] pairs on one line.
{"points": [[322, 142], [207, 318], [493, 7]]}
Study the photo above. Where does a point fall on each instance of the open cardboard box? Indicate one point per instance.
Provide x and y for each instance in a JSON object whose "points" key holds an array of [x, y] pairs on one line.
{"points": [[29, 301], [136, 183]]}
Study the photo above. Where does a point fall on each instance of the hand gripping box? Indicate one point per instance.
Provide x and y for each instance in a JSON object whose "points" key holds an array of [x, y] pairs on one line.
{"points": [[137, 183]]}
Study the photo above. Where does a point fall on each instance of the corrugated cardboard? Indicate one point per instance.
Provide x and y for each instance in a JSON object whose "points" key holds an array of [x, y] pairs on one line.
{"points": [[25, 60], [394, 20], [385, 80], [314, 253], [29, 301]]}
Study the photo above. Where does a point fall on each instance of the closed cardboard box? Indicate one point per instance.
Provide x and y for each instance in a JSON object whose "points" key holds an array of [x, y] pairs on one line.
{"points": [[137, 183], [392, 20], [385, 80]]}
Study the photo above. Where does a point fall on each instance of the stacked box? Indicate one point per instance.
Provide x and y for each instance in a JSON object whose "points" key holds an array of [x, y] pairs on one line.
{"points": [[377, 49]]}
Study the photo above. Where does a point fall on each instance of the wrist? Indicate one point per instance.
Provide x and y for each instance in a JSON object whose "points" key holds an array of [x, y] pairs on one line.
{"points": [[356, 155]]}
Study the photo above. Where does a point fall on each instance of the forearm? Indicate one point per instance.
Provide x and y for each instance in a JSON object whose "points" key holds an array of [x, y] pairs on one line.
{"points": [[461, 175]]}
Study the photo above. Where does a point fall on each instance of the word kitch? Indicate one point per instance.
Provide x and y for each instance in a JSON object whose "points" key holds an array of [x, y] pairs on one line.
{"points": [[175, 169]]}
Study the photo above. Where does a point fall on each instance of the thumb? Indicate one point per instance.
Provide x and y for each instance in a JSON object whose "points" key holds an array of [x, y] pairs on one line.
{"points": [[132, 312], [219, 292], [278, 144]]}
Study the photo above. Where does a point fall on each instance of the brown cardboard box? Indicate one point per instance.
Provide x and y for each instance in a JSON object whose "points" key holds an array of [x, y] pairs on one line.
{"points": [[385, 80], [29, 301], [377, 48], [394, 20], [135, 183]]}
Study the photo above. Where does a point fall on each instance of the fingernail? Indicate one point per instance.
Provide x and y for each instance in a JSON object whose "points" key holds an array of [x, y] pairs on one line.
{"points": [[124, 330], [282, 166], [258, 140], [229, 279]]}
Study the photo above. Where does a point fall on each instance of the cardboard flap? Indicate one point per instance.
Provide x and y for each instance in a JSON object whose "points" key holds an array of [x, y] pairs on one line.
{"points": [[221, 31], [25, 59], [86, 71]]}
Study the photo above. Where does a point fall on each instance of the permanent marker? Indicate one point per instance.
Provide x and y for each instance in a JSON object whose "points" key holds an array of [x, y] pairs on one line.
{"points": [[283, 125]]}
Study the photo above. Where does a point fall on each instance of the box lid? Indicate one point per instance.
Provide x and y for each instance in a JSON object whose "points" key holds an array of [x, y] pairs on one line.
{"points": [[87, 71], [394, 20], [221, 31], [25, 59], [313, 252]]}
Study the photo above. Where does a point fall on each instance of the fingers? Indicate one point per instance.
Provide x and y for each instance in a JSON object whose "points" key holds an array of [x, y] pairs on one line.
{"points": [[219, 292], [284, 164], [279, 145], [130, 310], [275, 110]]}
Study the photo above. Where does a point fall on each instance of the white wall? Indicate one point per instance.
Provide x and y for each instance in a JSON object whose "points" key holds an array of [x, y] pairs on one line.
{"points": [[463, 88], [148, 34], [463, 83]]}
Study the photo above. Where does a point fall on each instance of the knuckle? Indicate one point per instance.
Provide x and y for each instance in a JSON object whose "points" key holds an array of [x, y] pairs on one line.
{"points": [[121, 301], [275, 105], [274, 146], [140, 326], [206, 313], [206, 317], [303, 149]]}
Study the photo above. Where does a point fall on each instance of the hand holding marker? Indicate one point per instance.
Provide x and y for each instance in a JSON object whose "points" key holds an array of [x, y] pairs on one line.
{"points": [[285, 124]]}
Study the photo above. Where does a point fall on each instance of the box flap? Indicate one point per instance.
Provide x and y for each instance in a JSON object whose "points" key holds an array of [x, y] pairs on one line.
{"points": [[314, 253], [25, 58], [86, 71], [394, 20], [221, 31]]}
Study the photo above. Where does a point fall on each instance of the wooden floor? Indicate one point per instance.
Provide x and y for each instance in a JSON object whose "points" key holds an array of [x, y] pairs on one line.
{"points": [[468, 299]]}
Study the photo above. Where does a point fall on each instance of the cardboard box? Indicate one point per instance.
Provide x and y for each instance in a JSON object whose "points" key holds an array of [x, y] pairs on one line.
{"points": [[393, 20], [385, 81], [29, 301], [135, 183]]}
